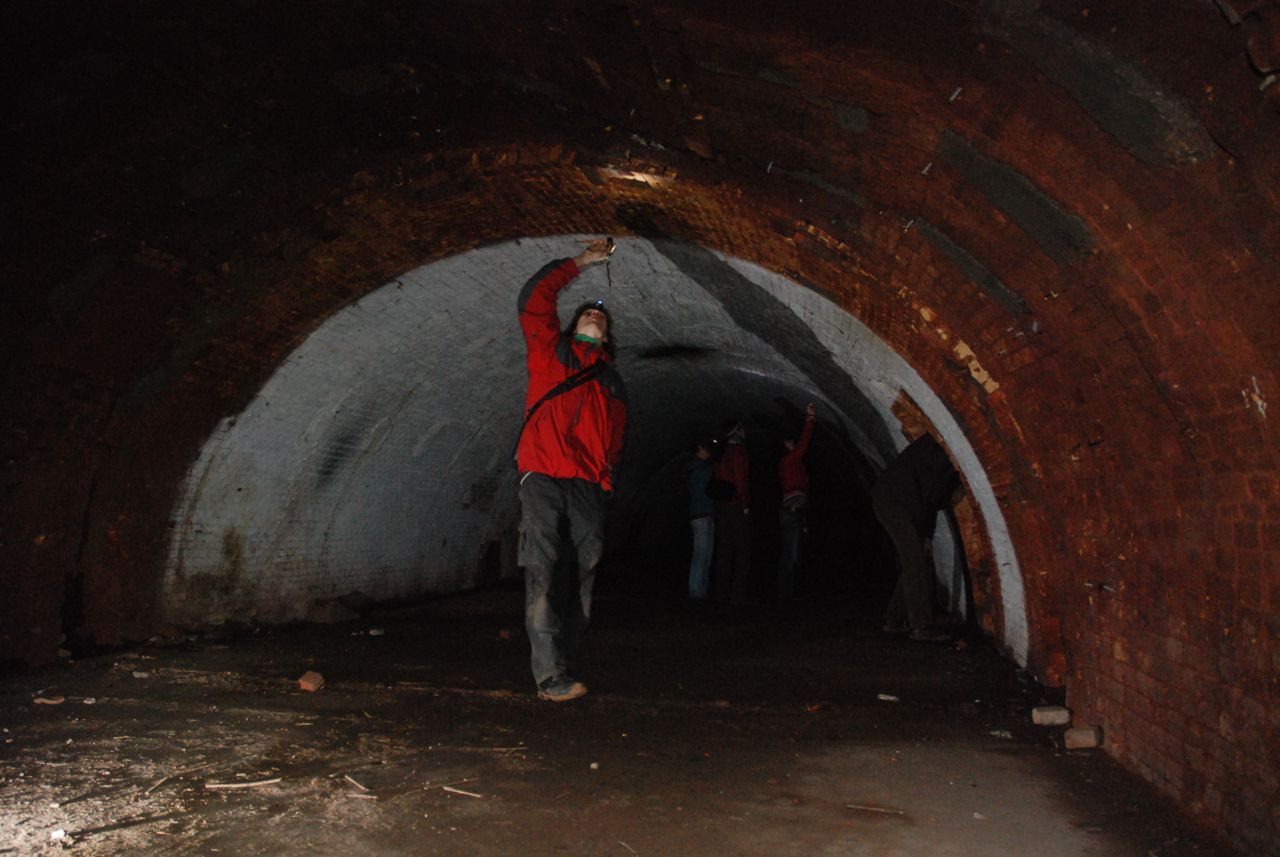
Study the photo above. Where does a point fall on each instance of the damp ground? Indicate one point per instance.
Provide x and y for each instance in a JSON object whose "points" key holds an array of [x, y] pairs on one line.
{"points": [[772, 730]]}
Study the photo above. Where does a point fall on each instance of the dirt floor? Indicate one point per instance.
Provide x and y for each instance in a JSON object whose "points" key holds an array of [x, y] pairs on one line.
{"points": [[770, 731]]}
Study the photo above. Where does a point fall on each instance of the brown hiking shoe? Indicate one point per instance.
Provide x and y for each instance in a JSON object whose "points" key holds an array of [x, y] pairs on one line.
{"points": [[562, 691]]}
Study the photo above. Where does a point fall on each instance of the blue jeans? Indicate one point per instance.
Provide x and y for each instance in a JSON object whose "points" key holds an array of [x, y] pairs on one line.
{"points": [[557, 602], [704, 530]]}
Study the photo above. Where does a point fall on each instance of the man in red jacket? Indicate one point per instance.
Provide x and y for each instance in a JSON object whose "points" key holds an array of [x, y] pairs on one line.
{"points": [[794, 479], [732, 571], [568, 449]]}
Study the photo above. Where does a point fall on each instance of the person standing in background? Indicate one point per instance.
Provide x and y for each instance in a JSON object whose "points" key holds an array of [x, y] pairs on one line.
{"points": [[732, 480], [794, 479], [702, 521], [917, 484]]}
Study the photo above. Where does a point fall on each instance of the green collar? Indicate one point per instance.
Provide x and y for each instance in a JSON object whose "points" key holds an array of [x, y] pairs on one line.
{"points": [[582, 337]]}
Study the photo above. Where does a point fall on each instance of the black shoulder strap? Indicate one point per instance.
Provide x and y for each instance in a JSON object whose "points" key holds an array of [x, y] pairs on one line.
{"points": [[577, 379]]}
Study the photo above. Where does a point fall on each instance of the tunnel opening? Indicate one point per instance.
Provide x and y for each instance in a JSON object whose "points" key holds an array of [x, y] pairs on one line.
{"points": [[375, 462]]}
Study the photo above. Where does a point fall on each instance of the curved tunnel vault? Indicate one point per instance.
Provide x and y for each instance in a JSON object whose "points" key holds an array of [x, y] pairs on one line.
{"points": [[377, 458]]}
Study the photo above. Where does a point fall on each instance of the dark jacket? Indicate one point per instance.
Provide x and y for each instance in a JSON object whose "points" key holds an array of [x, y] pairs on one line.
{"points": [[920, 481], [735, 467], [699, 471], [578, 434]]}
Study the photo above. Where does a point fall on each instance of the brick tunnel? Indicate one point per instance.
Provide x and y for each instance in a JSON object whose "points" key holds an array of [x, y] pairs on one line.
{"points": [[262, 349]]}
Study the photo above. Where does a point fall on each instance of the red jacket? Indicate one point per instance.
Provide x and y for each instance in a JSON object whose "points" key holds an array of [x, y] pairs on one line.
{"points": [[578, 434], [735, 466], [791, 470]]}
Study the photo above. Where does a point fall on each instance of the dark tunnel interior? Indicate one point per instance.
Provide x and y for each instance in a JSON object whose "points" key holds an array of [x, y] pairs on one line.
{"points": [[848, 561]]}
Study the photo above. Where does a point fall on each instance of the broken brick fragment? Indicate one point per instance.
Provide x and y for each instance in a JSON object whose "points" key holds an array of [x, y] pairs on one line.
{"points": [[311, 681]]}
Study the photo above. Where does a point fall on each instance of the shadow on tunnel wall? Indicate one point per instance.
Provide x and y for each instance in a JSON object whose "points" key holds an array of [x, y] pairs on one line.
{"points": [[754, 310]]}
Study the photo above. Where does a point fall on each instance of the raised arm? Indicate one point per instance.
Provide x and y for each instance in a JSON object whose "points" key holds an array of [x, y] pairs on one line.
{"points": [[536, 305], [810, 416], [537, 302]]}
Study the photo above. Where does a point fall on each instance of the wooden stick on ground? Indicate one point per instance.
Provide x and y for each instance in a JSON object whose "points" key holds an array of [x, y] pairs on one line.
{"points": [[180, 773], [885, 810], [252, 785], [348, 778], [157, 784], [461, 792], [428, 786]]}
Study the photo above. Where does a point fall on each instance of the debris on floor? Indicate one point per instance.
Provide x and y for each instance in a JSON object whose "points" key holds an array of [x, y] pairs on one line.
{"points": [[458, 791], [1083, 738], [861, 807], [250, 785], [311, 681], [711, 754], [1051, 715]]}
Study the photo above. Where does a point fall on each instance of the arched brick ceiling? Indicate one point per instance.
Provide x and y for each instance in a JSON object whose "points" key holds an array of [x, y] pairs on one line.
{"points": [[1062, 217]]}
